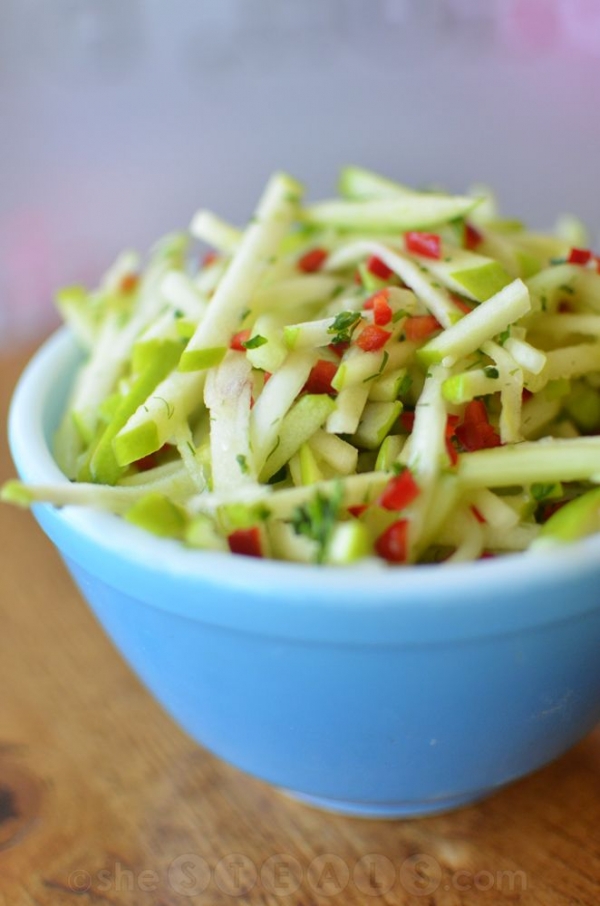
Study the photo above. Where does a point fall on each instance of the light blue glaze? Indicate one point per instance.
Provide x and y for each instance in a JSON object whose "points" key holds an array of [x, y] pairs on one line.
{"points": [[374, 691]]}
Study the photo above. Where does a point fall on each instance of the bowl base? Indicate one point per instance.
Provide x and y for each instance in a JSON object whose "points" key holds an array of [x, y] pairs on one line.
{"points": [[390, 810]]}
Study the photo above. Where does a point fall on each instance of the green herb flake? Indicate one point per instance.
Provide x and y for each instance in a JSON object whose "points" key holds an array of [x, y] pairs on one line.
{"points": [[242, 463], [343, 326], [565, 288], [491, 372], [541, 491], [317, 518], [255, 341], [401, 313]]}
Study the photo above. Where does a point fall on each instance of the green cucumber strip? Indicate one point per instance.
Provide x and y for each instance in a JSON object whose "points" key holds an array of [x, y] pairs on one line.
{"points": [[273, 404], [410, 211], [357, 183], [348, 408], [472, 275], [309, 467], [214, 231], [481, 324], [350, 541], [576, 519], [154, 421], [227, 395], [566, 363], [260, 242], [176, 485], [376, 422], [389, 451], [304, 418], [463, 387], [157, 514], [103, 464], [389, 386], [526, 355], [201, 532], [338, 453], [511, 392], [546, 460]]}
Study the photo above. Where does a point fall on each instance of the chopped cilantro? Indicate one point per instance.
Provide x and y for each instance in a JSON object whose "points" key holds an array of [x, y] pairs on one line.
{"points": [[242, 463], [316, 519], [343, 326], [255, 341], [491, 372]]}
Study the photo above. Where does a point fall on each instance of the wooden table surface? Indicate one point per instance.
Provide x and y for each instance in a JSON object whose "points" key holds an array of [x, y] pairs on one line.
{"points": [[103, 800]]}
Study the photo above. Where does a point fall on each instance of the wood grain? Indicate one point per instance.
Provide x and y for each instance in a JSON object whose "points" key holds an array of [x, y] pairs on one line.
{"points": [[104, 801]]}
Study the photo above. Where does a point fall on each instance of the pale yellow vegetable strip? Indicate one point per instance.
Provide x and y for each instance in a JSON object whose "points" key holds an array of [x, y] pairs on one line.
{"points": [[259, 244], [546, 460]]}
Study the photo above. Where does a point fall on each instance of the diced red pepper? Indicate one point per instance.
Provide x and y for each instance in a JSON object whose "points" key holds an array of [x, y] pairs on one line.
{"points": [[238, 339], [526, 395], [312, 260], [487, 555], [245, 541], [320, 377], [210, 258], [399, 492], [129, 283], [378, 303], [475, 432], [392, 544], [407, 420], [358, 509], [379, 268], [428, 245], [339, 348], [372, 338], [418, 327], [579, 256], [473, 237]]}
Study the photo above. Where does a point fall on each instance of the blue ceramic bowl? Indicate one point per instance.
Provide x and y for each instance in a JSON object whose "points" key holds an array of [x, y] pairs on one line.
{"points": [[367, 690]]}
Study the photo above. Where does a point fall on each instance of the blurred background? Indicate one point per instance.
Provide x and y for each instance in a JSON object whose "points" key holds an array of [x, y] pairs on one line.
{"points": [[119, 118]]}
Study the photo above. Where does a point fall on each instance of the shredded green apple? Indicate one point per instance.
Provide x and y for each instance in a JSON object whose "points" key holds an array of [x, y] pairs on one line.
{"points": [[391, 375]]}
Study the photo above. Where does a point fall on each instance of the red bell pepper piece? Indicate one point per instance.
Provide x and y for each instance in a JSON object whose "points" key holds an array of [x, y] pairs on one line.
{"points": [[379, 268], [428, 245], [473, 237], [392, 545], [372, 338], [320, 377], [475, 432], [378, 303], [579, 256], [312, 260], [399, 492], [245, 541]]}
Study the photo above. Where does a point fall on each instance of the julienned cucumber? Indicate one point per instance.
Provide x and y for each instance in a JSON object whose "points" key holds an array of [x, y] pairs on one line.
{"points": [[395, 375]]}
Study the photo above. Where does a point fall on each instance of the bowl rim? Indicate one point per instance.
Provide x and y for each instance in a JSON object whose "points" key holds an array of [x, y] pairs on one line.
{"points": [[515, 573]]}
